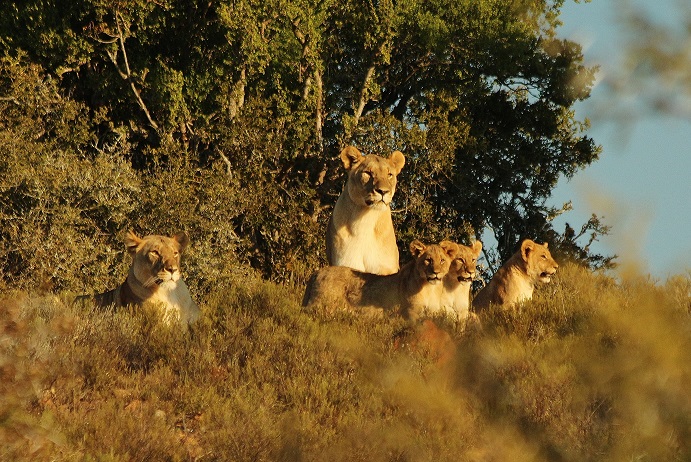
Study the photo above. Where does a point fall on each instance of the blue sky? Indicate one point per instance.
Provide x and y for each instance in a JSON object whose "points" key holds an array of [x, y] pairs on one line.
{"points": [[642, 183]]}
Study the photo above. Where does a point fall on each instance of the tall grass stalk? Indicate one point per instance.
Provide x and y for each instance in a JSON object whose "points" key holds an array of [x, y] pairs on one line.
{"points": [[591, 369]]}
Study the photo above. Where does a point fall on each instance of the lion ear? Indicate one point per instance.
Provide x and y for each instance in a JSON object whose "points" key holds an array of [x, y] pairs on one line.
{"points": [[397, 159], [545, 244], [477, 247], [132, 241], [182, 239], [416, 248], [527, 246], [351, 156], [451, 248]]}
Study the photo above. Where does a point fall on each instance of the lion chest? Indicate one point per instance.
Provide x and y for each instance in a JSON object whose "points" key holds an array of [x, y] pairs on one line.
{"points": [[427, 297], [523, 291], [366, 244], [178, 303], [420, 298], [455, 298], [514, 287]]}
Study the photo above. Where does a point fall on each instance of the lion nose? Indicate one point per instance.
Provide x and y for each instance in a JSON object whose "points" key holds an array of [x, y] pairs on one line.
{"points": [[383, 192], [171, 268]]}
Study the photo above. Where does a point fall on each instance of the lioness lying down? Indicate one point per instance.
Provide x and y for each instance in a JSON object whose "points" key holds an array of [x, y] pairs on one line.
{"points": [[416, 288], [360, 233], [515, 281], [154, 277]]}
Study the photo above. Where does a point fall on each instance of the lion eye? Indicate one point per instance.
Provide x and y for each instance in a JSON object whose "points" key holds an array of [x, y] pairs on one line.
{"points": [[154, 253], [390, 175], [366, 176], [443, 260]]}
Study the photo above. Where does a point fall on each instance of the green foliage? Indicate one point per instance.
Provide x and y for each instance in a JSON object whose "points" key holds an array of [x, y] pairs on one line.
{"points": [[67, 198], [580, 373], [57, 205], [477, 94]]}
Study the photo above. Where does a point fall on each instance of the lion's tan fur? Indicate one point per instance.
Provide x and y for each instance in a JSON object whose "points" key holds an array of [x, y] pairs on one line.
{"points": [[413, 290], [360, 234], [515, 281], [154, 278], [455, 299]]}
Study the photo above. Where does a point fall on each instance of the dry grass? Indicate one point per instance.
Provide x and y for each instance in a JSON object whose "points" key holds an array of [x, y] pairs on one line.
{"points": [[592, 369]]}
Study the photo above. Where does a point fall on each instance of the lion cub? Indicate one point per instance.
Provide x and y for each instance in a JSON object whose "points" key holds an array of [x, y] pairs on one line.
{"points": [[416, 288], [515, 281], [154, 277], [455, 298], [360, 234]]}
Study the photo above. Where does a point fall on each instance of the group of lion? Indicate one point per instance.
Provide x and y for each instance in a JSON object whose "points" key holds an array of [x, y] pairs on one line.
{"points": [[363, 272]]}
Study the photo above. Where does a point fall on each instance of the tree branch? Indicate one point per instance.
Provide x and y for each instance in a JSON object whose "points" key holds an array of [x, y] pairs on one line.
{"points": [[237, 97], [10, 99], [363, 94], [305, 66], [319, 103], [229, 166], [127, 73]]}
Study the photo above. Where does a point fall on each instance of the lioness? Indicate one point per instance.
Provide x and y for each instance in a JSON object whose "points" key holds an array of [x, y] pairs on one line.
{"points": [[360, 233], [154, 277], [515, 281], [414, 289], [455, 298]]}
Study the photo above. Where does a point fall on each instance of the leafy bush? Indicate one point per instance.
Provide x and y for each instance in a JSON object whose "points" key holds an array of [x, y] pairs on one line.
{"points": [[67, 198], [59, 208]]}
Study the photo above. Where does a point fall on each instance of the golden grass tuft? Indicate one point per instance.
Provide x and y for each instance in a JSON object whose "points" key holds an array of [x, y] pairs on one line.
{"points": [[591, 369]]}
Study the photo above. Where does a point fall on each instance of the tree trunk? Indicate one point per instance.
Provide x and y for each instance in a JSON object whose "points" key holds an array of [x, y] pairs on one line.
{"points": [[363, 94], [319, 110]]}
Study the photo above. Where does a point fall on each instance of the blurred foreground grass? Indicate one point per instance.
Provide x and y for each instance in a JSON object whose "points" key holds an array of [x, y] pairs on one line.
{"points": [[592, 369]]}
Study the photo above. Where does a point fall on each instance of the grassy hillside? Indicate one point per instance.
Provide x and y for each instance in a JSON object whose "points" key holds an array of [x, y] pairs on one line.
{"points": [[592, 369]]}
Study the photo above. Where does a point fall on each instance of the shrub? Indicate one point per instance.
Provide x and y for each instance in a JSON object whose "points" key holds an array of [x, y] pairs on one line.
{"points": [[59, 208], [591, 369], [67, 198]]}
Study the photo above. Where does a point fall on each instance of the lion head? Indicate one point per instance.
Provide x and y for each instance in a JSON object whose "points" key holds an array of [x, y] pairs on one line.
{"points": [[538, 262], [463, 265], [156, 259], [371, 179], [432, 261]]}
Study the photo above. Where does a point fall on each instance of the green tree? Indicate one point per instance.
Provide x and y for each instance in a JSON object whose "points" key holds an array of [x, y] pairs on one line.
{"points": [[477, 94]]}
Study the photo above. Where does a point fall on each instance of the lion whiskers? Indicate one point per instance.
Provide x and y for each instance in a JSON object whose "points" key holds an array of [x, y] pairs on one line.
{"points": [[152, 281]]}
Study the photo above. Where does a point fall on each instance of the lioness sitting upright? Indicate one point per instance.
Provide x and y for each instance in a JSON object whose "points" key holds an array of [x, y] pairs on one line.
{"points": [[360, 233], [455, 298], [413, 290], [515, 281], [154, 277]]}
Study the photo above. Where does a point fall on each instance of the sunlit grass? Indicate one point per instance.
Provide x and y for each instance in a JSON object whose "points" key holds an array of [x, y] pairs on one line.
{"points": [[591, 369]]}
